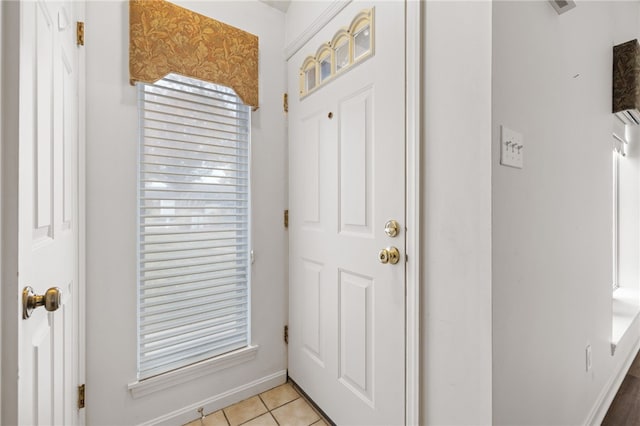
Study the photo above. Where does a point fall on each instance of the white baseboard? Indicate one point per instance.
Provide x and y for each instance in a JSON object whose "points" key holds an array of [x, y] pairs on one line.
{"points": [[610, 390], [216, 402]]}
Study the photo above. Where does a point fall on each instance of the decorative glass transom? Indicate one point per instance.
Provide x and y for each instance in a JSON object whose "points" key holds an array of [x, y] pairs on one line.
{"points": [[348, 47]]}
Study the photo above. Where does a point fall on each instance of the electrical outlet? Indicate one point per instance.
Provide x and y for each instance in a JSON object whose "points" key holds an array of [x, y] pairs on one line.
{"points": [[511, 148], [588, 357]]}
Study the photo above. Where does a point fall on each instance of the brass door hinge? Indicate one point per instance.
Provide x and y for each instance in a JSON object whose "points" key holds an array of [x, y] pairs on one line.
{"points": [[286, 334], [285, 102], [286, 218], [81, 396], [80, 33]]}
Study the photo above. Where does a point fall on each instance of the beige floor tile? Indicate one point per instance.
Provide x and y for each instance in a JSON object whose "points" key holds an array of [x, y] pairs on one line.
{"points": [[296, 413], [215, 419], [263, 420], [245, 410], [320, 423], [276, 397]]}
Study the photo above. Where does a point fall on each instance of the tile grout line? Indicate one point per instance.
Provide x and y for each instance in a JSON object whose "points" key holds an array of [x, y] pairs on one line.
{"points": [[300, 396], [274, 418], [270, 413], [224, 415], [288, 402], [261, 414]]}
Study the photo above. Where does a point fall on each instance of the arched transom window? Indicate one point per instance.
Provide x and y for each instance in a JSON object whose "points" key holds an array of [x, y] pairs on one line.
{"points": [[348, 47]]}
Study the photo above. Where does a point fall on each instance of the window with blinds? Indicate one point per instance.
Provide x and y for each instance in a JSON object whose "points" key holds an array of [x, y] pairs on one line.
{"points": [[194, 210]]}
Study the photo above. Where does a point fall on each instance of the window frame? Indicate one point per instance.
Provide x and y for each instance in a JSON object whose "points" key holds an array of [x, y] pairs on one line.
{"points": [[620, 140], [242, 353], [616, 221]]}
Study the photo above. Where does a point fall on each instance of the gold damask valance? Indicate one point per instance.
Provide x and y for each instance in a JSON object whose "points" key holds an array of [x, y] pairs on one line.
{"points": [[165, 38]]}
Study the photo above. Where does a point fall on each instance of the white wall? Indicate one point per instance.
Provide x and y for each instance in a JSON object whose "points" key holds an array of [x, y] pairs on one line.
{"points": [[456, 182], [300, 16], [552, 220], [111, 218]]}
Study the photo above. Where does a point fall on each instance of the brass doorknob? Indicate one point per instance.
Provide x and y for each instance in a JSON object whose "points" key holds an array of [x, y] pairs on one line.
{"points": [[392, 228], [51, 300], [389, 255], [383, 256]]}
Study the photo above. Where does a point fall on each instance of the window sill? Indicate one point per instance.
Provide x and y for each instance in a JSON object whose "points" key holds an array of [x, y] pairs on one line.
{"points": [[190, 372], [626, 307]]}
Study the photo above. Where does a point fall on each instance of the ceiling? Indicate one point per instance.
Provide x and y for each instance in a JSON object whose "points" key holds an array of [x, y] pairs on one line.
{"points": [[281, 5]]}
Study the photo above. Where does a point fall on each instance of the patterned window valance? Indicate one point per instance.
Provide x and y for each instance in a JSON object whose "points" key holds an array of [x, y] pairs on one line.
{"points": [[165, 38]]}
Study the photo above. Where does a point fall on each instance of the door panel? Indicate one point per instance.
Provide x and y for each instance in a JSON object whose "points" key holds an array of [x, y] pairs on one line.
{"points": [[347, 177], [312, 128], [356, 154], [44, 118], [356, 333], [48, 238], [311, 326]]}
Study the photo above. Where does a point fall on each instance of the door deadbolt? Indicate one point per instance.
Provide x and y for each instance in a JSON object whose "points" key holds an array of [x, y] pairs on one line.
{"points": [[50, 300], [392, 228], [389, 255]]}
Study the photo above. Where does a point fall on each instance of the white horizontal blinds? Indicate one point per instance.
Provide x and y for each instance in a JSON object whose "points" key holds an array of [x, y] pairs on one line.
{"points": [[194, 223]]}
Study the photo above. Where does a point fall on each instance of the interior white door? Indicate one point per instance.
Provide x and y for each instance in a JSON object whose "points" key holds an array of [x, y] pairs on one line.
{"points": [[347, 179], [48, 255]]}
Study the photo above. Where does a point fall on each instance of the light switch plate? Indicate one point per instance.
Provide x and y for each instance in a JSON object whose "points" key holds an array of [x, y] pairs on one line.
{"points": [[511, 148]]}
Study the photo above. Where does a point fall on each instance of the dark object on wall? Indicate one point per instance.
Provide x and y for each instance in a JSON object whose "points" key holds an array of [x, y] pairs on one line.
{"points": [[626, 82], [561, 6]]}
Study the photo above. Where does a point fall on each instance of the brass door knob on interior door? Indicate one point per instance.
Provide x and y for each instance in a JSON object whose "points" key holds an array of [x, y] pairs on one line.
{"points": [[389, 255], [51, 300]]}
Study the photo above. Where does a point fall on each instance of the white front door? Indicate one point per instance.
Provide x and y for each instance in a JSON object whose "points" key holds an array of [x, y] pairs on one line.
{"points": [[347, 179], [48, 229]]}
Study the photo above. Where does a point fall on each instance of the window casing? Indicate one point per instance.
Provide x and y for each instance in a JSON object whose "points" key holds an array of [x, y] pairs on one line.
{"points": [[194, 223], [626, 230], [616, 219], [620, 141]]}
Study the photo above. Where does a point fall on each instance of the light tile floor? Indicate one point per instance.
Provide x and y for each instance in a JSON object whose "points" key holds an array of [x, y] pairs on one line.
{"points": [[280, 406]]}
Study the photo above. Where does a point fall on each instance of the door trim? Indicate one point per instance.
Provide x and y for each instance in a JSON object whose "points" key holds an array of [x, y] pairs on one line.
{"points": [[413, 68], [82, 211], [329, 13], [1, 198], [9, 283]]}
